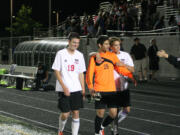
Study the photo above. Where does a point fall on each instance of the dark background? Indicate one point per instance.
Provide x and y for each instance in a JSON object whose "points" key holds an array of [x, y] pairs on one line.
{"points": [[41, 13]]}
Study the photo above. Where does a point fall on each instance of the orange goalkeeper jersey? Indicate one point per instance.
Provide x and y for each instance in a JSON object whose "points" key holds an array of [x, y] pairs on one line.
{"points": [[104, 73]]}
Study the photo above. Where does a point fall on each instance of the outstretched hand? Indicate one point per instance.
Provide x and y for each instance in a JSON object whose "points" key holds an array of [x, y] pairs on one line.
{"points": [[162, 53]]}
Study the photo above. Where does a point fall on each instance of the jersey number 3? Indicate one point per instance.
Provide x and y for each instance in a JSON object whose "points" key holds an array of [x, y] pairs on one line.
{"points": [[70, 67]]}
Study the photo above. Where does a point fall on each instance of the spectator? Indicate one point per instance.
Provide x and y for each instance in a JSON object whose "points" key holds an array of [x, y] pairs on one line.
{"points": [[101, 24], [159, 23], [142, 23], [133, 11], [153, 59], [144, 6], [41, 76], [152, 8], [172, 22], [178, 20], [90, 26], [129, 23], [139, 54]]}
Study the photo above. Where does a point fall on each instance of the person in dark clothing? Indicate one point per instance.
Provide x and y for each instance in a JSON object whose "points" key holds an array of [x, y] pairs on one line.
{"points": [[159, 23], [153, 59], [172, 22], [139, 55], [175, 61], [144, 6], [41, 76]]}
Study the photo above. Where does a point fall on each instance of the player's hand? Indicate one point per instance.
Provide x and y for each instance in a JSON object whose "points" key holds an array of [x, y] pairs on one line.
{"points": [[162, 53], [120, 64], [98, 58], [83, 94], [135, 82], [66, 91], [92, 92]]}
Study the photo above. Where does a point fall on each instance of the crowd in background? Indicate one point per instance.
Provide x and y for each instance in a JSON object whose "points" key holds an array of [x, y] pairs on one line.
{"points": [[123, 16]]}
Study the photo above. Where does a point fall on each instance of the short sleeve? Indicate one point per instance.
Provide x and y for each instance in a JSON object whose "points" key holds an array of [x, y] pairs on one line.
{"points": [[115, 59], [129, 61], [82, 66], [57, 63]]}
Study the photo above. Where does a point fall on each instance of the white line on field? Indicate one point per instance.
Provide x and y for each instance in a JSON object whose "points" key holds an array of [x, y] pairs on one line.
{"points": [[130, 130]]}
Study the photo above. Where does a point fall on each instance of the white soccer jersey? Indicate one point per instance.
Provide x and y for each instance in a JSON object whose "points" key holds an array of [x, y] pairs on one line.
{"points": [[126, 59], [70, 66]]}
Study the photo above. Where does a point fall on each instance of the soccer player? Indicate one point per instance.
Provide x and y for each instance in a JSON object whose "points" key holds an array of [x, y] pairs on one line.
{"points": [[69, 66], [104, 84], [123, 92]]}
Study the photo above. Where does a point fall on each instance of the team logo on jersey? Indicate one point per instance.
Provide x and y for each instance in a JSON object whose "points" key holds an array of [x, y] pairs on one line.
{"points": [[65, 60], [106, 66], [122, 59], [76, 61]]}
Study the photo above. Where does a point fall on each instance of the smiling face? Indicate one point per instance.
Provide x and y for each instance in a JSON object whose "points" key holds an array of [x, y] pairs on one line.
{"points": [[115, 47], [74, 44]]}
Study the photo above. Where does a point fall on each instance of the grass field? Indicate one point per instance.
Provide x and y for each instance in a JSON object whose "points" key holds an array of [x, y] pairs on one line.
{"points": [[10, 126]]}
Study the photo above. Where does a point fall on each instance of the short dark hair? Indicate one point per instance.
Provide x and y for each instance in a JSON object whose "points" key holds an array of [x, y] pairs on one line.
{"points": [[101, 39], [73, 35], [136, 39]]}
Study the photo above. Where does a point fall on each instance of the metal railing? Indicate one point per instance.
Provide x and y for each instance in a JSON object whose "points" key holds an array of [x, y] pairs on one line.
{"points": [[163, 31]]}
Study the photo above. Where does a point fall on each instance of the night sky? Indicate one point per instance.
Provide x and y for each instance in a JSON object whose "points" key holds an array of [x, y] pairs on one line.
{"points": [[40, 10]]}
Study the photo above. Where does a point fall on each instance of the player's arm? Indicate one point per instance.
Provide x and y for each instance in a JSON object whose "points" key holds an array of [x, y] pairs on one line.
{"points": [[129, 64], [92, 54], [121, 69], [90, 74], [82, 69], [121, 64], [59, 78], [97, 55], [81, 79], [57, 70], [130, 68]]}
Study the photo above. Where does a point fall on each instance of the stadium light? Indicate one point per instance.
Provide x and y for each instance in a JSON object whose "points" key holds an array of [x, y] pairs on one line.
{"points": [[49, 14], [11, 32]]}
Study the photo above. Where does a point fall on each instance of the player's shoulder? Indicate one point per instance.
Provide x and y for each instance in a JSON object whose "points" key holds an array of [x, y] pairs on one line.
{"points": [[62, 51], [78, 53], [111, 53], [124, 53]]}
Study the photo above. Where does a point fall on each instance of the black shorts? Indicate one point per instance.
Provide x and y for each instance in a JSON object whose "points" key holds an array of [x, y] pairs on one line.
{"points": [[108, 99], [123, 98], [70, 103]]}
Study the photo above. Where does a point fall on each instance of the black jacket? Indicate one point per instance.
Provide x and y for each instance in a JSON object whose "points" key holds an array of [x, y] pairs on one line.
{"points": [[174, 61]]}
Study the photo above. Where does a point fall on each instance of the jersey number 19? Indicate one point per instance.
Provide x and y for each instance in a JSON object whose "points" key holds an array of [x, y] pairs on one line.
{"points": [[70, 67]]}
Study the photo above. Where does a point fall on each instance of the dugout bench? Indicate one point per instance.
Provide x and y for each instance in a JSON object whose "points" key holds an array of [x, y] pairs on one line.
{"points": [[20, 75]]}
